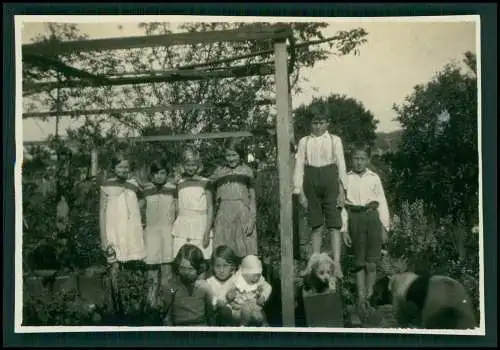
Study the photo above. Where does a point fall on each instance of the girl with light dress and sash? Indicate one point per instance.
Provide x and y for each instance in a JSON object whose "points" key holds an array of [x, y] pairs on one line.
{"points": [[120, 221], [160, 201], [195, 207]]}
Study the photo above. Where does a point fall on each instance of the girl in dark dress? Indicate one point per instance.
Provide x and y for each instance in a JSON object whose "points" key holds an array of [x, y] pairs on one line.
{"points": [[188, 299]]}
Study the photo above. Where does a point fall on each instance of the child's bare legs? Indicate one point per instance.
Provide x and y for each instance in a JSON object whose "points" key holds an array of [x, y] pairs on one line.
{"points": [[316, 239], [361, 287], [371, 276], [153, 275], [165, 274], [115, 290], [373, 250], [336, 242]]}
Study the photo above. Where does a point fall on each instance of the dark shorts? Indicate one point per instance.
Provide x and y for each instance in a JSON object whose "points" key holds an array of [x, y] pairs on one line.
{"points": [[366, 235], [321, 187]]}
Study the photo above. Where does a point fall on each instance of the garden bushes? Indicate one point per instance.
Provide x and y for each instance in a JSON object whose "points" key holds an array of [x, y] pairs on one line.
{"points": [[436, 246]]}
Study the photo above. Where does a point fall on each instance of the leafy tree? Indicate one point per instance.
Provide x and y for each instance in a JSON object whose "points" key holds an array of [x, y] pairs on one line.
{"points": [[348, 119], [437, 159]]}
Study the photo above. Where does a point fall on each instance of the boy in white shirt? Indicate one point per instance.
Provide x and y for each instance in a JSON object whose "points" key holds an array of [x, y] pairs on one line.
{"points": [[365, 221], [319, 174]]}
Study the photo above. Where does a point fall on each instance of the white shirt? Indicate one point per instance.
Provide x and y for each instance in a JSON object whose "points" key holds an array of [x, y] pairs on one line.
{"points": [[321, 150], [362, 189], [220, 288]]}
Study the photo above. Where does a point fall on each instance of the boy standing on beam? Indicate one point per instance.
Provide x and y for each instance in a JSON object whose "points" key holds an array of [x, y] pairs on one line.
{"points": [[320, 171]]}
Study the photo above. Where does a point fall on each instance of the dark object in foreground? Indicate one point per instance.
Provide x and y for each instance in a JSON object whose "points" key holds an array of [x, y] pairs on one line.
{"points": [[323, 310], [425, 301]]}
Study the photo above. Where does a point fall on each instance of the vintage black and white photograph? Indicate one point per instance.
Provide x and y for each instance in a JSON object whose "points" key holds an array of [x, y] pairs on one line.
{"points": [[207, 173]]}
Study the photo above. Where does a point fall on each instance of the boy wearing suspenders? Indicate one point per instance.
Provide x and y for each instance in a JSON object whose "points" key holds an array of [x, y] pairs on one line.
{"points": [[320, 171]]}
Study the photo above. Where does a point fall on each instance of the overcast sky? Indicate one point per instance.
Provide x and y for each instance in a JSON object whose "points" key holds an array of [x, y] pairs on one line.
{"points": [[397, 56]]}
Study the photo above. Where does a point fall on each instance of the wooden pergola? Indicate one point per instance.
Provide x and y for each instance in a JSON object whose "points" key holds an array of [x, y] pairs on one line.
{"points": [[41, 54]]}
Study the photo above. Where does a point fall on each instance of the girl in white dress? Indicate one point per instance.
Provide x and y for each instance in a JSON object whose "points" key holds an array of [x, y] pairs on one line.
{"points": [[120, 221], [195, 208], [224, 264], [160, 200]]}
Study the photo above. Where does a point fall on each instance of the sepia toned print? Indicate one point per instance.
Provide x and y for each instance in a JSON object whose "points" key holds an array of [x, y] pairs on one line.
{"points": [[213, 173]]}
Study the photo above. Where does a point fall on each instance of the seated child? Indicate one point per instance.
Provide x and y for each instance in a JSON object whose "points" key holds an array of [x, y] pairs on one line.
{"points": [[188, 301], [249, 293], [224, 264]]}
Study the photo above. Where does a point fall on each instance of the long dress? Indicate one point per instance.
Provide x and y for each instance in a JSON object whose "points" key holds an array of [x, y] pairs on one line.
{"points": [[233, 209], [122, 220], [160, 216], [191, 222]]}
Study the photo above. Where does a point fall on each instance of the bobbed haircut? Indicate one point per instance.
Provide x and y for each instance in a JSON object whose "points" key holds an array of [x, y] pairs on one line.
{"points": [[118, 158], [157, 165], [236, 145], [193, 254], [226, 253]]}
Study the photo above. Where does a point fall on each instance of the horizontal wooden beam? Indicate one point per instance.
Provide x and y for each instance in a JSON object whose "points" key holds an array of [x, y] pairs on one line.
{"points": [[248, 33], [227, 60], [170, 138], [291, 49], [152, 109], [173, 76], [213, 135]]}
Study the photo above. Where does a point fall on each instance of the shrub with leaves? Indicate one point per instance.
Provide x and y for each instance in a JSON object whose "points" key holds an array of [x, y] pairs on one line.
{"points": [[84, 219], [75, 245], [268, 215], [133, 286], [63, 309]]}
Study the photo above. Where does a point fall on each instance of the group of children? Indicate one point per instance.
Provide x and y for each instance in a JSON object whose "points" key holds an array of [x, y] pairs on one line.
{"points": [[234, 295], [351, 205], [193, 222], [187, 227]]}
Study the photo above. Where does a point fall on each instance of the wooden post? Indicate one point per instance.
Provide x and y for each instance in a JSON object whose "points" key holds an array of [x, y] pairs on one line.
{"points": [[297, 212], [285, 183], [94, 161]]}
